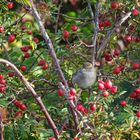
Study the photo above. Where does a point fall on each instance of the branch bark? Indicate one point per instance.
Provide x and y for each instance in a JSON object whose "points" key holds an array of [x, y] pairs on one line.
{"points": [[34, 94], [95, 22], [1, 129]]}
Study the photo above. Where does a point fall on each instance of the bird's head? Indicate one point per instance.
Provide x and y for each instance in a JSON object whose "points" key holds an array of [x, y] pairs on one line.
{"points": [[88, 65]]}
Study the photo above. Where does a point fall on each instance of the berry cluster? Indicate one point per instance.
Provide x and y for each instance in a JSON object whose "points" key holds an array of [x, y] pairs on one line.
{"points": [[106, 86], [72, 93], [25, 50], [135, 94], [43, 64], [2, 83], [66, 34], [20, 105], [129, 39], [103, 24], [108, 56]]}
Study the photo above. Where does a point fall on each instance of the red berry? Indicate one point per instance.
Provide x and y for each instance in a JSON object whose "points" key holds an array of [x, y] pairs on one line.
{"points": [[25, 49], [23, 27], [2, 88], [115, 5], [67, 46], [26, 55], [101, 25], [128, 38], [11, 38], [137, 90], [11, 74], [71, 97], [85, 111], [29, 32], [18, 114], [131, 27], [108, 57], [10, 5], [116, 52], [108, 84], [138, 96], [123, 103], [76, 139], [60, 92], [135, 12], [74, 28], [23, 107], [30, 47], [72, 92], [101, 86], [113, 89], [1, 76], [1, 29], [133, 95], [18, 103], [135, 65], [138, 113], [92, 107], [46, 66], [80, 107], [23, 68], [117, 70], [52, 138], [135, 39], [107, 23], [105, 93], [66, 34], [102, 82], [41, 62], [74, 2], [2, 81], [36, 40]]}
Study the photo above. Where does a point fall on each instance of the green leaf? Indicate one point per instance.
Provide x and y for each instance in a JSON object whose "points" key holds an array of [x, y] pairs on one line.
{"points": [[9, 133], [24, 2]]}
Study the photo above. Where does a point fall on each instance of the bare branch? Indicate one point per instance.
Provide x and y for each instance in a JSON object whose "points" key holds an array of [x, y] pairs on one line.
{"points": [[54, 57], [95, 22], [58, 16]]}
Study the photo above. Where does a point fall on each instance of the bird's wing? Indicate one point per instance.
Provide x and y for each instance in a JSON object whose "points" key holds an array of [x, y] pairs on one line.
{"points": [[77, 76]]}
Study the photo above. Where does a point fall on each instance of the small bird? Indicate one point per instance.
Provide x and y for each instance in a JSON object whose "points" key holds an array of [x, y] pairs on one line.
{"points": [[86, 76]]}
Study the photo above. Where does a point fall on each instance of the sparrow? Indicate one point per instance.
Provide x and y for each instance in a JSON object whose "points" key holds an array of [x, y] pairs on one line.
{"points": [[86, 76]]}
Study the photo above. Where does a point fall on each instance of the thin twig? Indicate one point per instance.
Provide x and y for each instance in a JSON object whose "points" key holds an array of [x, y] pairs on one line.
{"points": [[58, 16], [73, 18], [34, 62]]}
